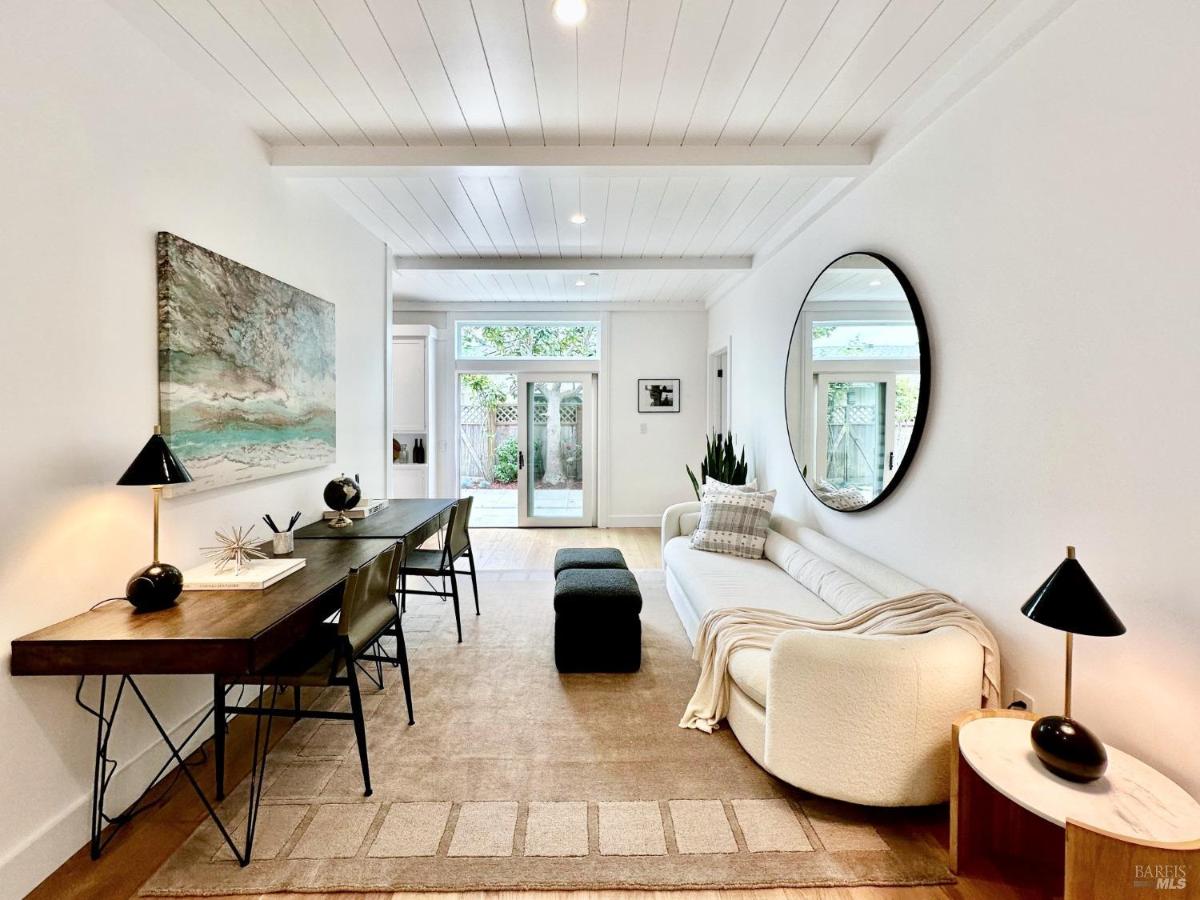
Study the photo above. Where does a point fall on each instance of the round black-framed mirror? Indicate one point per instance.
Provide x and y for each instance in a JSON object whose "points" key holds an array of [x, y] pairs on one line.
{"points": [[857, 381]]}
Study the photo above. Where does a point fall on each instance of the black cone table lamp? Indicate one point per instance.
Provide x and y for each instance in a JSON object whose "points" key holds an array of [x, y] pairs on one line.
{"points": [[157, 585], [1070, 602]]}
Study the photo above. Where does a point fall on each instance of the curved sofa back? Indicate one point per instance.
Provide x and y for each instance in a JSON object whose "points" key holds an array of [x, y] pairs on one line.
{"points": [[871, 572], [682, 519]]}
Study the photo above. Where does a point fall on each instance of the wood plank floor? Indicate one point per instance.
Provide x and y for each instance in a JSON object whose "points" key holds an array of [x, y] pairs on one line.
{"points": [[142, 847]]}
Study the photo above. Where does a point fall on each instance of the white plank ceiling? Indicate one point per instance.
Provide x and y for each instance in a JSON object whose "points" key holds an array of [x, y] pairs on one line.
{"points": [[506, 73]]}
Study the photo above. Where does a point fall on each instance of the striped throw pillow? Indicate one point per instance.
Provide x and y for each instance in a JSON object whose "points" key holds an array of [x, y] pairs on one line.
{"points": [[734, 522]]}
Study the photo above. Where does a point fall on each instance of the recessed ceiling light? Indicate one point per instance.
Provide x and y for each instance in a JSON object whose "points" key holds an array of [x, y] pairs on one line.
{"points": [[580, 283], [876, 283], [570, 12], [578, 219]]}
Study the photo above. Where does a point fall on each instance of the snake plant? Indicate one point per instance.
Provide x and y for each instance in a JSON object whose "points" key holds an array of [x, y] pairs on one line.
{"points": [[720, 462]]}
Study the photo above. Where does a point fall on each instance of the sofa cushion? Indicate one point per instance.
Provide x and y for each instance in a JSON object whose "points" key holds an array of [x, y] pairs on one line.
{"points": [[748, 669], [839, 589], [750, 486], [717, 581], [874, 574], [734, 522]]}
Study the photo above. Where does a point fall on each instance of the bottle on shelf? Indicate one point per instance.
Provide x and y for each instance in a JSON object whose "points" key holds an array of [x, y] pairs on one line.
{"points": [[419, 451]]}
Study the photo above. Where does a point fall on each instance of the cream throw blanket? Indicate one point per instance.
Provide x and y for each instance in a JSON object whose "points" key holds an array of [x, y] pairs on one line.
{"points": [[723, 631]]}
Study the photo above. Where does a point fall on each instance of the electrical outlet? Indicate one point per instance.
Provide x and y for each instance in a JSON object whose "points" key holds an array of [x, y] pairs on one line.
{"points": [[1023, 697]]}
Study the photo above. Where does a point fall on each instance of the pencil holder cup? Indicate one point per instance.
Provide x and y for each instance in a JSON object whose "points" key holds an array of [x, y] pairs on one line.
{"points": [[283, 542]]}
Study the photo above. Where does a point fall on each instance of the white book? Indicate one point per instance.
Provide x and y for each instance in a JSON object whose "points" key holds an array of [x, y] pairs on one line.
{"points": [[361, 511], [255, 575]]}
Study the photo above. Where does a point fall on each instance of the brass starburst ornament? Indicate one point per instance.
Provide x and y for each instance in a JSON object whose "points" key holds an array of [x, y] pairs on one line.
{"points": [[235, 549]]}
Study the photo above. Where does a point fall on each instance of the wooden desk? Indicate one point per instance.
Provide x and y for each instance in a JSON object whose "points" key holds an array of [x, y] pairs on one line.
{"points": [[206, 632], [415, 519]]}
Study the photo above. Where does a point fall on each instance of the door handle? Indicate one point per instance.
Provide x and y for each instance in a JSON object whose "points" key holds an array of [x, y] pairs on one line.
{"points": [[520, 460], [891, 460]]}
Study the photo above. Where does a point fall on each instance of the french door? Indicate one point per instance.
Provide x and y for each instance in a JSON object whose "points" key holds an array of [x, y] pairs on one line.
{"points": [[856, 430], [556, 441]]}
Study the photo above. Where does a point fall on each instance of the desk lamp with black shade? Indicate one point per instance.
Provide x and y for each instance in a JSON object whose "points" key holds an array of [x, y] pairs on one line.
{"points": [[157, 585], [1070, 602]]}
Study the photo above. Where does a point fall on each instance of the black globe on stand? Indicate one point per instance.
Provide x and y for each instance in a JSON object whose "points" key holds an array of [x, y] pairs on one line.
{"points": [[157, 585], [1070, 602], [341, 494]]}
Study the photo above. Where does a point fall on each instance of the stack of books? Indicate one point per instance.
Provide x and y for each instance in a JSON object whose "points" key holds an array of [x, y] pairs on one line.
{"points": [[254, 575], [365, 508]]}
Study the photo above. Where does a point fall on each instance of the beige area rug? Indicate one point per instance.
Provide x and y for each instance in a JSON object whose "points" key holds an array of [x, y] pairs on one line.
{"points": [[517, 777]]}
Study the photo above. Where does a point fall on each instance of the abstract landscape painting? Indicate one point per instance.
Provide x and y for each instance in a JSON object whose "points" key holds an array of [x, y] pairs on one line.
{"points": [[246, 369]]}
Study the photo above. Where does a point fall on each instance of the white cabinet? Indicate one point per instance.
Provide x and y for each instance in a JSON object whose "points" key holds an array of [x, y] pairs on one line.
{"points": [[410, 385], [410, 481]]}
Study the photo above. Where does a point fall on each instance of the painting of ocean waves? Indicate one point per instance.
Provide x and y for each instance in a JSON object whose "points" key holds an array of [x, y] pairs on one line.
{"points": [[246, 369]]}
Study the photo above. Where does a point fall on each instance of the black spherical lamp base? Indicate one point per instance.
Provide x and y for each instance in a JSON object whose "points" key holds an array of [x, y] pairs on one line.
{"points": [[154, 587], [1068, 749]]}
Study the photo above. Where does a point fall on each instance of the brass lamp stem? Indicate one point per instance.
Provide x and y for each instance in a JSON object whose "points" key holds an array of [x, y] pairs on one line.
{"points": [[1070, 648], [1070, 651], [157, 491]]}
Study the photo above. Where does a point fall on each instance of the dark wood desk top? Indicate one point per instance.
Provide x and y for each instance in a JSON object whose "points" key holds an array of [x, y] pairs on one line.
{"points": [[398, 519], [206, 632]]}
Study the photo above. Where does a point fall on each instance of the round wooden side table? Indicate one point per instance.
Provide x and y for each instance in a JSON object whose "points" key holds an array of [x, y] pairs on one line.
{"points": [[1133, 833]]}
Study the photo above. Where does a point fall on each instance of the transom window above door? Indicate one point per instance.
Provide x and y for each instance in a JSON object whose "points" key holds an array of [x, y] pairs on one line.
{"points": [[527, 340]]}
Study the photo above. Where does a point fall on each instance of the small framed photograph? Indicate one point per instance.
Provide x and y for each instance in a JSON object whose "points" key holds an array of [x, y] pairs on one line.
{"points": [[658, 395]]}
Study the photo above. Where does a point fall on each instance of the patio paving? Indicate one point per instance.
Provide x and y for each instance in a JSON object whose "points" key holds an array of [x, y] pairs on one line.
{"points": [[497, 507]]}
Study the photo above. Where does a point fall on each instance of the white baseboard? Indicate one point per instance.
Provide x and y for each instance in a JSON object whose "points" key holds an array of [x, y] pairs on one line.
{"points": [[34, 859], [646, 521]]}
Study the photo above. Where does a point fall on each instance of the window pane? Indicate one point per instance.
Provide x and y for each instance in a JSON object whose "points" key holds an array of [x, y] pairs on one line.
{"points": [[876, 340], [528, 340], [908, 392]]}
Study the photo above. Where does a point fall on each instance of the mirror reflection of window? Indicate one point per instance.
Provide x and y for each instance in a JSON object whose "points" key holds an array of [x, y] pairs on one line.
{"points": [[853, 381]]}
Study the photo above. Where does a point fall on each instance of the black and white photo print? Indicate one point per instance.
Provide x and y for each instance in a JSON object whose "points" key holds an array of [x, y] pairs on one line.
{"points": [[658, 395]]}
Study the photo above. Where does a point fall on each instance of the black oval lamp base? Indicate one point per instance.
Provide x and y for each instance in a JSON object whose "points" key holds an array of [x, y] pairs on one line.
{"points": [[154, 587], [1068, 749]]}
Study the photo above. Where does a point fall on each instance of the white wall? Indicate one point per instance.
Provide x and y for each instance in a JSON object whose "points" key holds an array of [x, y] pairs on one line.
{"points": [[1049, 224], [104, 143], [645, 472]]}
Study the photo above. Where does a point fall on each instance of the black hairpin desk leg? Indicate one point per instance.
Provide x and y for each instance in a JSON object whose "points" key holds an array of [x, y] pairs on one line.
{"points": [[106, 766]]}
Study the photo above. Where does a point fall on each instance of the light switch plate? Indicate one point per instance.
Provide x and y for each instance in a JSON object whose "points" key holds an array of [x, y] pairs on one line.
{"points": [[644, 428]]}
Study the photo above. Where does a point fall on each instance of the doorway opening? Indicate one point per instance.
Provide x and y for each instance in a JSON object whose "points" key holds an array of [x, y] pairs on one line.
{"points": [[718, 391], [526, 444], [488, 447]]}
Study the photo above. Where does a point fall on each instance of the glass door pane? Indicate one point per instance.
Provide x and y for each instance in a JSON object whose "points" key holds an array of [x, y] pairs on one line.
{"points": [[853, 433], [555, 486], [487, 447]]}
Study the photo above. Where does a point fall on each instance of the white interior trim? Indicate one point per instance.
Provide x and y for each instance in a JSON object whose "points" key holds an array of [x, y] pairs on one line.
{"points": [[573, 263], [589, 161]]}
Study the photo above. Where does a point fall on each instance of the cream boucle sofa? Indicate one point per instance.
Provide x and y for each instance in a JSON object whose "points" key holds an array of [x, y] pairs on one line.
{"points": [[859, 718]]}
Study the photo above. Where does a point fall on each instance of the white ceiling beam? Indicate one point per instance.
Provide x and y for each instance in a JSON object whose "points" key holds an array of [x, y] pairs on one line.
{"points": [[572, 263], [381, 162]]}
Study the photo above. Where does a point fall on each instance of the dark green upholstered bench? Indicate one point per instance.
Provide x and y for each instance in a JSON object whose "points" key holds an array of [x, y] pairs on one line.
{"points": [[597, 624]]}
